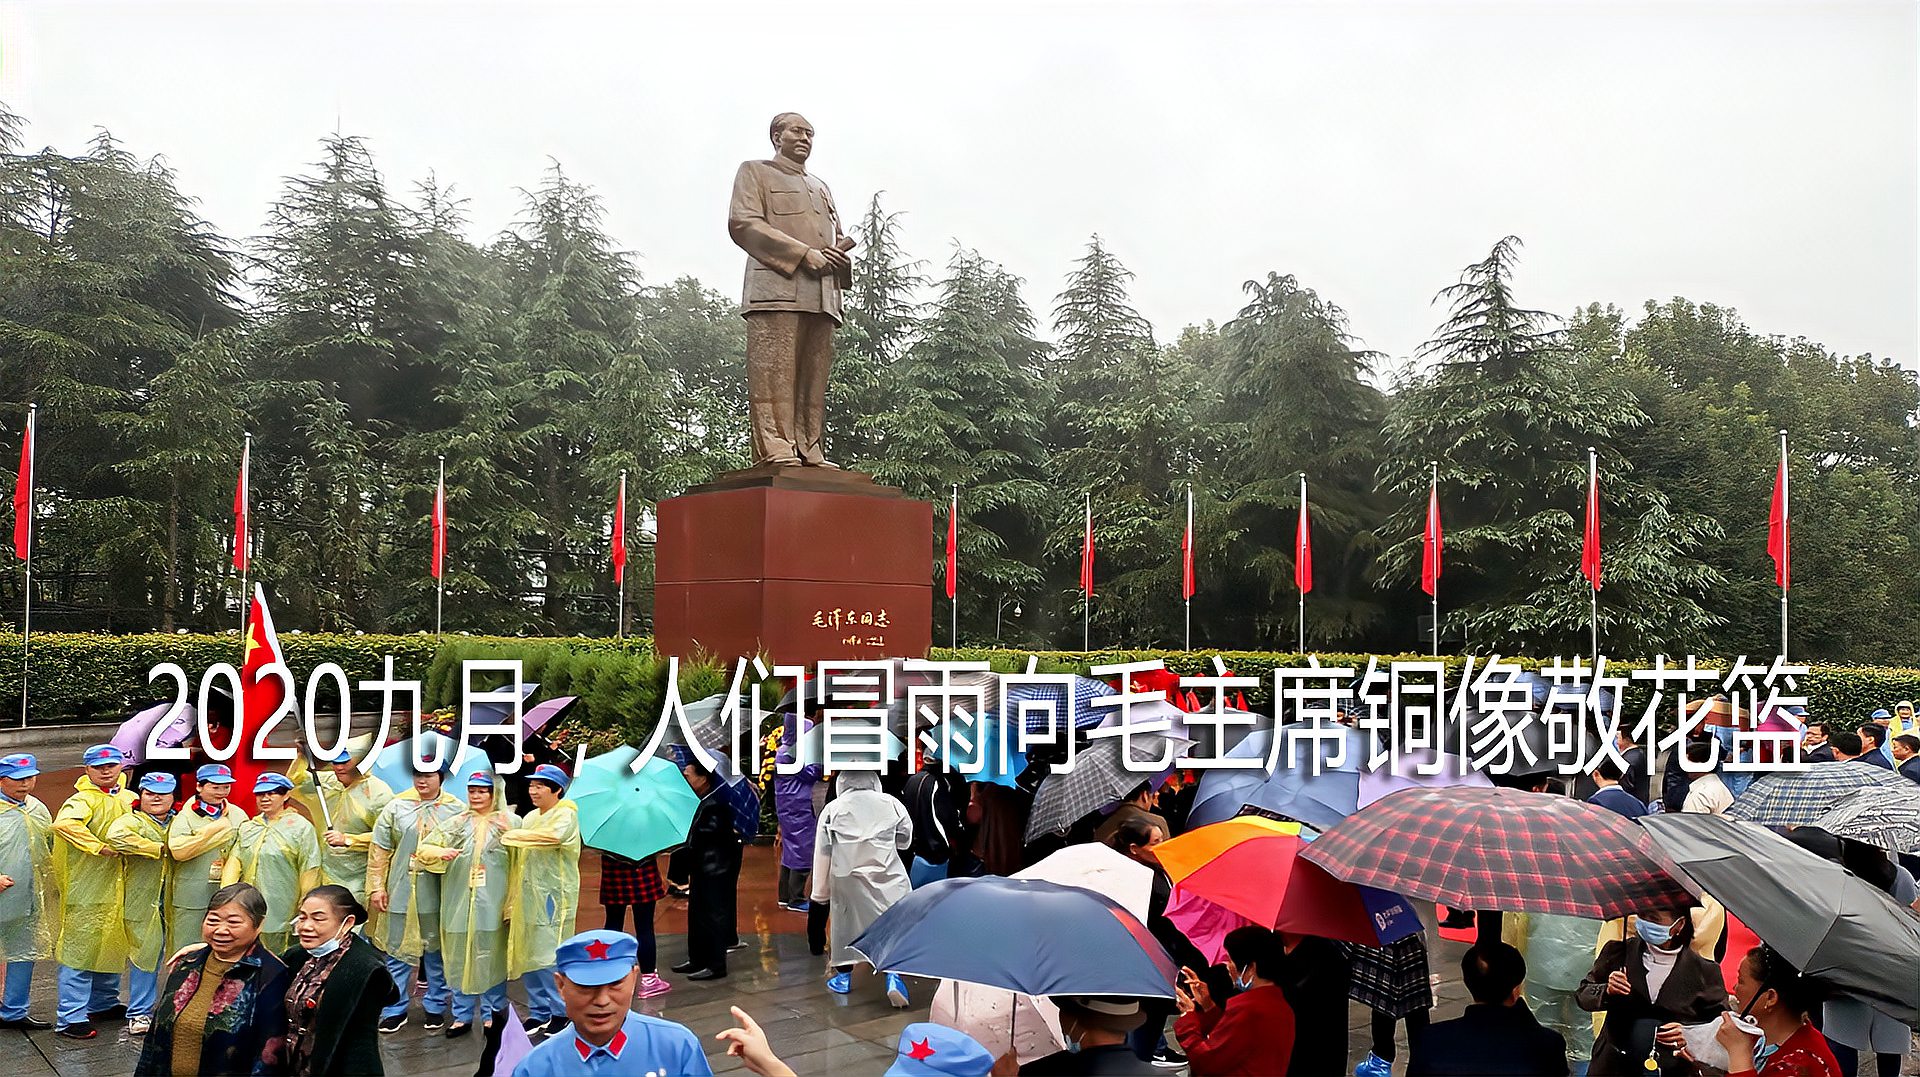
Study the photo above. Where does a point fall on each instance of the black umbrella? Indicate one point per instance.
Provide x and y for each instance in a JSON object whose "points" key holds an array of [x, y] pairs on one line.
{"points": [[1820, 917]]}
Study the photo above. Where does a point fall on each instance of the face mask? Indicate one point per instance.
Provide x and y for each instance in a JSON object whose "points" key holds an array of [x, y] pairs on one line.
{"points": [[1244, 981], [1654, 934], [331, 944]]}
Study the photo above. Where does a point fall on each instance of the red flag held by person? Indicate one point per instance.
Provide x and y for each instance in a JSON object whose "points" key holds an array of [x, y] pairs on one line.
{"points": [[1086, 556], [23, 497], [1303, 546], [1430, 552], [953, 549], [1778, 546], [1590, 544], [260, 697], [1186, 552], [439, 526], [240, 494], [619, 537]]}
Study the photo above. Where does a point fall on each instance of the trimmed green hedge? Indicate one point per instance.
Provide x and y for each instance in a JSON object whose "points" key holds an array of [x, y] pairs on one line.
{"points": [[85, 677]]}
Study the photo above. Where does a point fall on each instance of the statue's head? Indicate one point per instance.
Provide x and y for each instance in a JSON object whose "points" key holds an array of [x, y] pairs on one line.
{"points": [[792, 136]]}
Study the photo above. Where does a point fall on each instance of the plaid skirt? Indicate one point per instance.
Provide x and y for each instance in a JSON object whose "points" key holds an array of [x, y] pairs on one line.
{"points": [[629, 882], [1391, 979]]}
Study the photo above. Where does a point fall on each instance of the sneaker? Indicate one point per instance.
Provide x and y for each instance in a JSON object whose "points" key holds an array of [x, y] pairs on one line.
{"points": [[737, 946], [840, 983], [459, 1029], [390, 1025], [112, 1013], [1373, 1066], [138, 1026], [676, 890], [79, 1030], [651, 984], [797, 906], [554, 1024], [433, 1022], [24, 1024], [1167, 1058], [896, 991]]}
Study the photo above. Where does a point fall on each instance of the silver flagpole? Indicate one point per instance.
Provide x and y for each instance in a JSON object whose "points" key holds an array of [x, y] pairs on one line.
{"points": [[26, 600], [620, 614], [1433, 501], [1086, 598], [1298, 545], [1786, 534], [1186, 556], [953, 604], [440, 573], [246, 559]]}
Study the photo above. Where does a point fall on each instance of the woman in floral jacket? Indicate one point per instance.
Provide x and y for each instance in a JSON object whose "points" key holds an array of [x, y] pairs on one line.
{"points": [[222, 1010]]}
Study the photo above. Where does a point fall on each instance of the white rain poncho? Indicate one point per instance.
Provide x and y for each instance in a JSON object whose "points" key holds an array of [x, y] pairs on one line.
{"points": [[856, 858], [473, 895], [411, 925]]}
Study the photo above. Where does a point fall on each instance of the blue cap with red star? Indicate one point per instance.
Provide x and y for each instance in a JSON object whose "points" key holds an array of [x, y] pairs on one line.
{"points": [[593, 958], [930, 1050]]}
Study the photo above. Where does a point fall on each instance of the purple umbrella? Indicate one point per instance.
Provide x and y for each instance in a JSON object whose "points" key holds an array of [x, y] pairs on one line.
{"points": [[1453, 771], [536, 717], [133, 734]]}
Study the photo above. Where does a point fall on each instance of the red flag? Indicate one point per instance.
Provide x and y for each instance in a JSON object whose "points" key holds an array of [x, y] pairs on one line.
{"points": [[23, 497], [619, 537], [1303, 547], [1086, 556], [240, 494], [1186, 552], [439, 524], [260, 697], [1590, 544], [1778, 546], [1430, 553], [953, 549]]}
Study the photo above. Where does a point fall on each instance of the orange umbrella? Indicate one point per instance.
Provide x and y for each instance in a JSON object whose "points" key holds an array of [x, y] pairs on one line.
{"points": [[1718, 711], [1251, 866]]}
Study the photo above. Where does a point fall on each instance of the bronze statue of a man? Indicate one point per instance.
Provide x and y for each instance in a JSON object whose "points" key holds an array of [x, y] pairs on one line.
{"points": [[797, 270]]}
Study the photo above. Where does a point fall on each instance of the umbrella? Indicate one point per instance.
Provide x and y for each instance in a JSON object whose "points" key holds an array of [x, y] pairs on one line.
{"points": [[1001, 1020], [703, 722], [735, 791], [1828, 924], [810, 746], [1250, 865], [1146, 712], [1292, 789], [634, 815], [1205, 924], [394, 763], [1099, 777], [1023, 935], [134, 733], [536, 717], [1405, 773], [982, 760], [1883, 815], [494, 712], [1501, 849], [1796, 798], [1082, 690]]}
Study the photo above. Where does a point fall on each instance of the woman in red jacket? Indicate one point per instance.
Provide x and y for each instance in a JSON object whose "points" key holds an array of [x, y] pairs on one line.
{"points": [[1253, 1034]]}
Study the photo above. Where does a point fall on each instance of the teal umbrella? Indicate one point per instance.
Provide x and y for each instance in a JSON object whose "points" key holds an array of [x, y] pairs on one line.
{"points": [[634, 815]]}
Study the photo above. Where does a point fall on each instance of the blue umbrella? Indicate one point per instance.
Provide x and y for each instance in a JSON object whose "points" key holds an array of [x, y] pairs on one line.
{"points": [[980, 762], [736, 791], [1083, 691], [1292, 788], [394, 764], [1024, 935]]}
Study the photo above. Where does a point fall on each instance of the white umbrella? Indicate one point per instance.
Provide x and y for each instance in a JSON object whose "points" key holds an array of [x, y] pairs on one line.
{"points": [[1003, 1020]]}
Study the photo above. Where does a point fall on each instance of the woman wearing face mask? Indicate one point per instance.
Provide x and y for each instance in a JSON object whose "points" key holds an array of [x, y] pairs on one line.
{"points": [[1652, 978], [1775, 996], [1253, 1033], [339, 986]]}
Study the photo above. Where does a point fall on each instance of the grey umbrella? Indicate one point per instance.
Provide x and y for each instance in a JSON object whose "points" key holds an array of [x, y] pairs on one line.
{"points": [[1829, 924], [1797, 798], [1883, 815], [1100, 776]]}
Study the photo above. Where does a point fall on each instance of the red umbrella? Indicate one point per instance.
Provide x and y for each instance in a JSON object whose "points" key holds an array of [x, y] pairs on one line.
{"points": [[1501, 850]]}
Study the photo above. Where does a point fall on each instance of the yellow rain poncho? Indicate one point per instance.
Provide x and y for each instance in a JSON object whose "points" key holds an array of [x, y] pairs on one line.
{"points": [[29, 909], [352, 810], [91, 938], [411, 925], [473, 896], [199, 846], [282, 857], [146, 874], [543, 881]]}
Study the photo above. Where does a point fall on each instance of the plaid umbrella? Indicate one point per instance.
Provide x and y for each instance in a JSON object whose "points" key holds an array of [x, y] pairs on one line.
{"points": [[1083, 691], [1098, 778], [1501, 849], [1797, 798], [1883, 815]]}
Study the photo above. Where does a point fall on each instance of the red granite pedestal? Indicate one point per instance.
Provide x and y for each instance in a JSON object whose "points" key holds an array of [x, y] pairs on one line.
{"points": [[799, 564]]}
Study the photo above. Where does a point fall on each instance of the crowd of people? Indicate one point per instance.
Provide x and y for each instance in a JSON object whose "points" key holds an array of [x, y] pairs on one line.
{"points": [[288, 940]]}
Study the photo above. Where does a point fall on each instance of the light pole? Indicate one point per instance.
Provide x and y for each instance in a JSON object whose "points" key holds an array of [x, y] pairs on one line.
{"points": [[1002, 605]]}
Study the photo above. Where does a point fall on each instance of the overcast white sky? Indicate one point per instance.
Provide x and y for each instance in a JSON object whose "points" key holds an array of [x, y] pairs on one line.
{"points": [[1760, 155]]}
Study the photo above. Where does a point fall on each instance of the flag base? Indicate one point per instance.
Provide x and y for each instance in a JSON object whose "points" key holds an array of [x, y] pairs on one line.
{"points": [[798, 564]]}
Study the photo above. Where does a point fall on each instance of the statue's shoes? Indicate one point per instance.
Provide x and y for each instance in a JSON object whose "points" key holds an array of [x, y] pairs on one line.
{"points": [[822, 462]]}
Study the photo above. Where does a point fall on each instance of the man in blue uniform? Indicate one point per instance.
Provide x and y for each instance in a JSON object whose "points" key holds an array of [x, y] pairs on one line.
{"points": [[596, 975]]}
